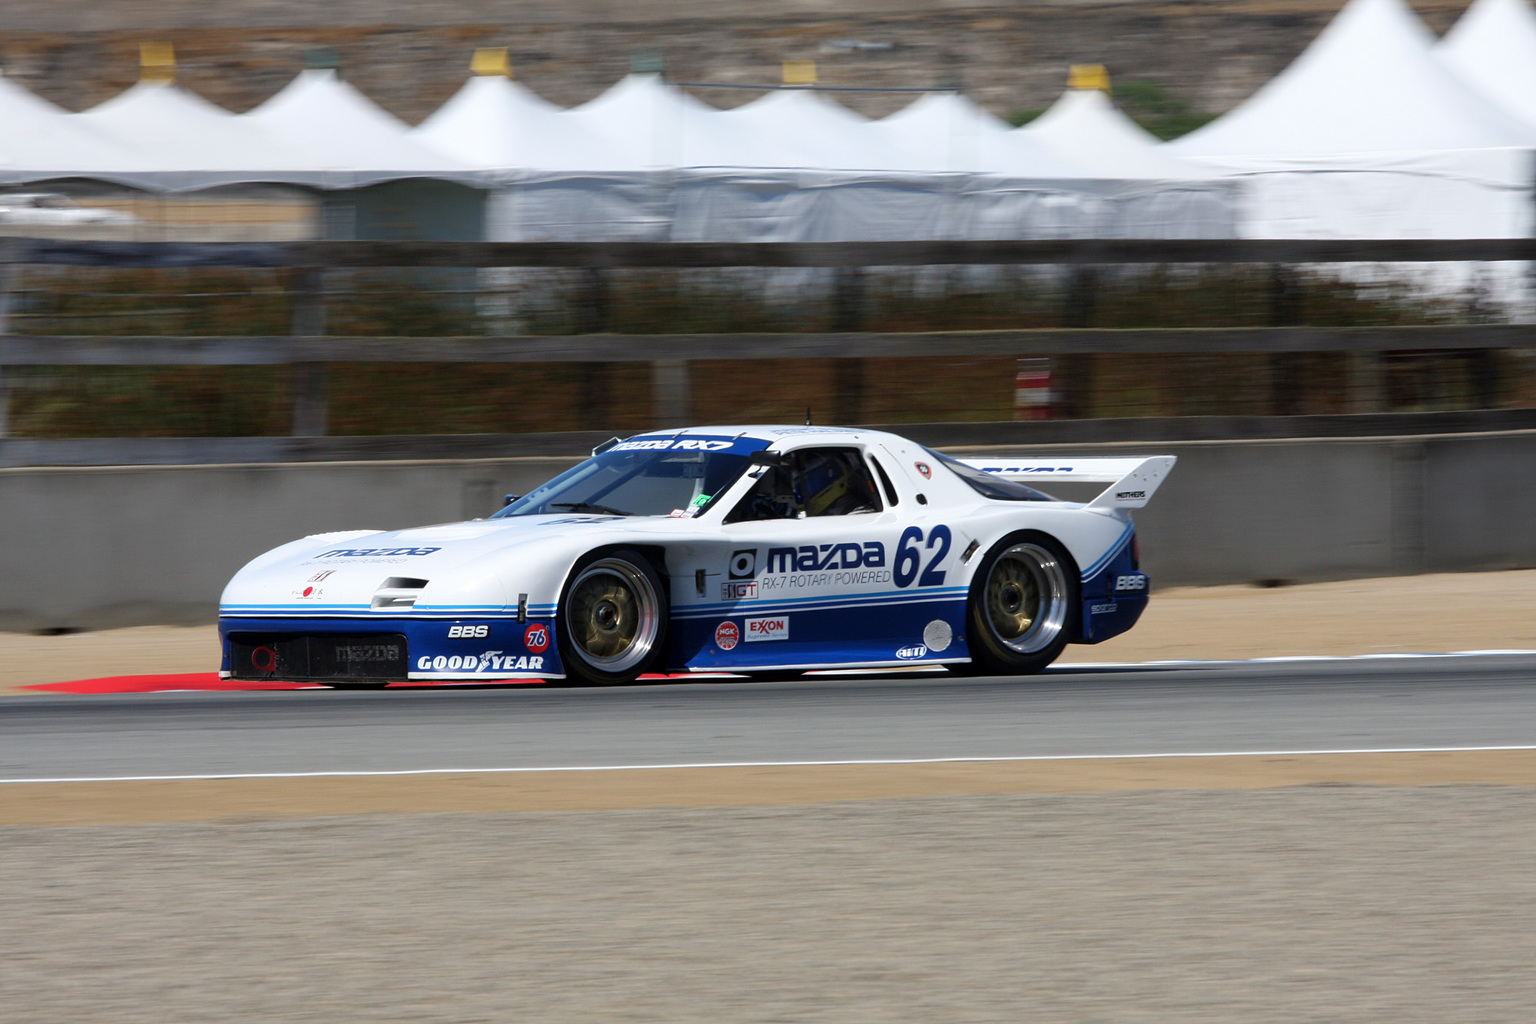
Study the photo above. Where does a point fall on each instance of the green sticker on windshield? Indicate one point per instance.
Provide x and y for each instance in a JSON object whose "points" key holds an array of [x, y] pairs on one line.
{"points": [[701, 500]]}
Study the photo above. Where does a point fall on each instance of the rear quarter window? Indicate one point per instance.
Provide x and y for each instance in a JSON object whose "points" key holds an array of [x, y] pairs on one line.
{"points": [[989, 485]]}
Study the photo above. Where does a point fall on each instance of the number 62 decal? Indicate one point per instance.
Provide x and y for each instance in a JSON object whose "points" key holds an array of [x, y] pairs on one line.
{"points": [[909, 557]]}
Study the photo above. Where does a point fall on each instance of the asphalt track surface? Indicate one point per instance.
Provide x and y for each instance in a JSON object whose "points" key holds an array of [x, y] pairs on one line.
{"points": [[1203, 708]]}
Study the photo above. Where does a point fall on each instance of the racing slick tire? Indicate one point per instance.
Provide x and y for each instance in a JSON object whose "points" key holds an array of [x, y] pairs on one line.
{"points": [[1022, 607], [611, 623]]}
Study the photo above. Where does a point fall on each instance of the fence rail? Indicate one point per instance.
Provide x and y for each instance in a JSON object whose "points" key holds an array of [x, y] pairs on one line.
{"points": [[679, 255], [307, 347], [278, 350]]}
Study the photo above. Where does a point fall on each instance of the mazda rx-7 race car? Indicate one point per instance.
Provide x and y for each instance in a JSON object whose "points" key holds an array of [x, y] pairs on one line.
{"points": [[714, 549]]}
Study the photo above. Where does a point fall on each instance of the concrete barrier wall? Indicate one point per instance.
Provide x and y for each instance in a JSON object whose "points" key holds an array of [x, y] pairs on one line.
{"points": [[104, 547], [98, 548]]}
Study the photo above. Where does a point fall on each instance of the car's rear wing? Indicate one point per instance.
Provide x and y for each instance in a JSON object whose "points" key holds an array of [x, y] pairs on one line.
{"points": [[1134, 480]]}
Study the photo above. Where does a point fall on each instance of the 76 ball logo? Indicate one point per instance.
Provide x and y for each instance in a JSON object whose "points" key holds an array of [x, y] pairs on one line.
{"points": [[536, 639]]}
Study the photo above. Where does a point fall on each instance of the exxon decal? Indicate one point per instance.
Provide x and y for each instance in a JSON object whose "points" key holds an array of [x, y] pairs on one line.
{"points": [[774, 627]]}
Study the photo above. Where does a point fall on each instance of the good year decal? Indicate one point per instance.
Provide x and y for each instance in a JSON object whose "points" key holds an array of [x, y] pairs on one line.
{"points": [[535, 640]]}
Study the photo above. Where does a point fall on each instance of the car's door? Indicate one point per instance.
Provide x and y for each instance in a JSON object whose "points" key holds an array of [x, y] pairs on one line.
{"points": [[822, 568]]}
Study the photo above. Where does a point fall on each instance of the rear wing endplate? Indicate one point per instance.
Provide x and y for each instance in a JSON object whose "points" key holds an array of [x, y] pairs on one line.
{"points": [[1134, 480]]}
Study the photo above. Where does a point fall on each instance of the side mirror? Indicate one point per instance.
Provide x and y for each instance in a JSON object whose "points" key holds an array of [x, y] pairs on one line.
{"points": [[767, 458], [606, 445], [510, 499]]}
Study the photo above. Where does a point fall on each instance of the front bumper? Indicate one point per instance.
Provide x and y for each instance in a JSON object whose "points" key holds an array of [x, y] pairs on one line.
{"points": [[395, 649]]}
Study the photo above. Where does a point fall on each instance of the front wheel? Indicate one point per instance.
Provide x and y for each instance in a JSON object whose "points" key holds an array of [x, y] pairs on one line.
{"points": [[1021, 606], [611, 619]]}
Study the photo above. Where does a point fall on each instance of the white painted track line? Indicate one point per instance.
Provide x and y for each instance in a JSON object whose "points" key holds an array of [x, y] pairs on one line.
{"points": [[769, 764]]}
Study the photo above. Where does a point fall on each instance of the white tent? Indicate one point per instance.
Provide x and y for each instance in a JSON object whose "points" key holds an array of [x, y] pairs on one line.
{"points": [[1493, 47], [496, 124], [644, 124], [189, 143], [42, 141], [1367, 135], [348, 134], [1084, 126], [1368, 84], [948, 132], [801, 129]]}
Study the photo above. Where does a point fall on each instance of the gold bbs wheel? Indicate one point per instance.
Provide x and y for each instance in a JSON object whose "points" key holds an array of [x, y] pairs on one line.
{"points": [[1026, 598], [1022, 608], [611, 619]]}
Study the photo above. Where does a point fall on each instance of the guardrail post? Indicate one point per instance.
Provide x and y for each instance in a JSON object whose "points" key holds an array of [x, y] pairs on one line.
{"points": [[671, 392], [1285, 368], [1482, 363], [1366, 377], [10, 279], [1075, 378], [593, 316], [848, 315], [307, 319]]}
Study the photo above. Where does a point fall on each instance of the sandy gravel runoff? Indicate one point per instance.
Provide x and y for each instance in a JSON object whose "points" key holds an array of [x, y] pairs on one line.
{"points": [[1334, 903], [1363, 888], [135, 801], [1450, 612]]}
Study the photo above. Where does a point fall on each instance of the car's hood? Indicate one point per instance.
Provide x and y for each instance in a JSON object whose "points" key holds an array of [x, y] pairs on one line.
{"points": [[480, 565]]}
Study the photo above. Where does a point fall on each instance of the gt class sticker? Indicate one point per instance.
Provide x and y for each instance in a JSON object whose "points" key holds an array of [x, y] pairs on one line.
{"points": [[772, 627]]}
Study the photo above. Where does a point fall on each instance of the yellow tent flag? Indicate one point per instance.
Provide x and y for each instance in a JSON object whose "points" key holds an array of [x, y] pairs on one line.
{"points": [[157, 62], [491, 61], [799, 72], [1088, 76]]}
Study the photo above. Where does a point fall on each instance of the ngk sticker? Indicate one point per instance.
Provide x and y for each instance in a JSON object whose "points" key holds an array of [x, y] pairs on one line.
{"points": [[726, 635], [773, 628]]}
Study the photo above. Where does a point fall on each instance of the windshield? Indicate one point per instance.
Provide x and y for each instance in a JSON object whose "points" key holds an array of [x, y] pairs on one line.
{"points": [[989, 484], [645, 476]]}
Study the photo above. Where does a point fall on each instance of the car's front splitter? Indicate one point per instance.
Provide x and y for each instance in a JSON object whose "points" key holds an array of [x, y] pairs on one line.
{"points": [[460, 649]]}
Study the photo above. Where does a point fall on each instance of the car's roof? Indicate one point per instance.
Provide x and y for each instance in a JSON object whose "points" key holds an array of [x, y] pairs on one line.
{"points": [[771, 432]]}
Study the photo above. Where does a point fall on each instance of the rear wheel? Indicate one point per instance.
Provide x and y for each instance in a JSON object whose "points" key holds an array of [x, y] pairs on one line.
{"points": [[611, 621], [1022, 605]]}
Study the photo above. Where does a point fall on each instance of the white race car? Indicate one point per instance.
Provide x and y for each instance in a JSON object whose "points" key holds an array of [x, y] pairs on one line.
{"points": [[764, 549]]}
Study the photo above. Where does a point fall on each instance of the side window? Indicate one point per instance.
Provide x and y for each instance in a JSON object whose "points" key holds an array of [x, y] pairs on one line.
{"points": [[885, 481], [812, 482], [772, 497]]}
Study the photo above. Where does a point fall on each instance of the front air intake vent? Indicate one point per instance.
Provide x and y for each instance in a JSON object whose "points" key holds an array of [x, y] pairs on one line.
{"points": [[398, 592]]}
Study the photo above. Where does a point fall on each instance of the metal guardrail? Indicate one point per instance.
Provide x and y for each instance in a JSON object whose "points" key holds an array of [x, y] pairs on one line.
{"points": [[308, 349], [276, 350], [606, 255], [185, 451]]}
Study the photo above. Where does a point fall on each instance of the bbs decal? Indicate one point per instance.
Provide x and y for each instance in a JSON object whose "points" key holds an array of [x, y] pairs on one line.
{"points": [[470, 632], [1124, 583], [910, 554]]}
